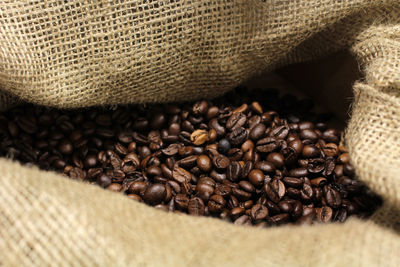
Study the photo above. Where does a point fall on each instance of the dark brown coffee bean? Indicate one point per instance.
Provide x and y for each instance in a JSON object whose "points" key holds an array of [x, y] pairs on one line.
{"points": [[265, 166], [171, 150], [114, 187], [216, 203], [308, 134], [221, 162], [246, 186], [310, 151], [320, 181], [204, 163], [340, 215], [255, 106], [154, 194], [200, 108], [196, 206], [324, 214], [237, 212], [279, 132], [307, 192], [223, 190], [243, 220], [181, 175], [237, 136], [224, 146], [344, 158], [66, 147], [332, 197], [277, 159], [331, 136], [267, 145], [214, 124], [90, 161], [257, 131], [275, 190], [293, 182], [236, 120], [233, 171], [298, 172], [181, 202], [278, 219], [204, 191], [258, 212], [297, 145], [241, 195], [316, 165], [103, 180], [134, 197]]}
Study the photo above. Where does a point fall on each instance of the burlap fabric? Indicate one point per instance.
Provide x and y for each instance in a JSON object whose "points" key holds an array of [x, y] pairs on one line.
{"points": [[81, 53]]}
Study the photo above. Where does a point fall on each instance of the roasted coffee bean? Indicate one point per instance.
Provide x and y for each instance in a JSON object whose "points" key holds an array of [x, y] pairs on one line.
{"points": [[225, 158], [243, 220], [233, 171], [265, 166], [278, 219], [216, 203], [275, 190], [277, 159], [181, 175], [237, 136], [257, 131], [332, 197], [258, 212], [154, 194], [267, 145], [224, 146], [324, 214], [196, 206], [103, 180], [241, 195], [204, 191], [236, 120], [204, 163], [256, 177], [221, 162]]}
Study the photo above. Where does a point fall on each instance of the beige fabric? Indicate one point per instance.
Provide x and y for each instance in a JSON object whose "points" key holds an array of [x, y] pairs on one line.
{"points": [[49, 220], [82, 53]]}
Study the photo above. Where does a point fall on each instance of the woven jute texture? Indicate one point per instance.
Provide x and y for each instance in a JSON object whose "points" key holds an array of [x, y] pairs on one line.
{"points": [[84, 53]]}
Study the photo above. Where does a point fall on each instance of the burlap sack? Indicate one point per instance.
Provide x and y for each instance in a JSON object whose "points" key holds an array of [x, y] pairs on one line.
{"points": [[81, 53]]}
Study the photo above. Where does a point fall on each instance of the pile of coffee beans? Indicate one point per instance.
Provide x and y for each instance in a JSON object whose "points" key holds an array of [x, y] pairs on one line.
{"points": [[249, 157]]}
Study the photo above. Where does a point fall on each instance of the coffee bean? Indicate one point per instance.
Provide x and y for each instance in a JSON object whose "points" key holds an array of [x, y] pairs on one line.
{"points": [[225, 158], [275, 190], [324, 214], [278, 219], [154, 194], [293, 182], [103, 180], [204, 163], [267, 144], [237, 136], [257, 131], [204, 191], [200, 108], [332, 197], [236, 120], [216, 203], [246, 186], [181, 175], [199, 137], [196, 206], [224, 146], [233, 171], [277, 159], [221, 162], [243, 220], [258, 212]]}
